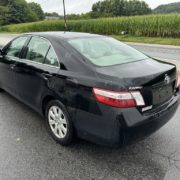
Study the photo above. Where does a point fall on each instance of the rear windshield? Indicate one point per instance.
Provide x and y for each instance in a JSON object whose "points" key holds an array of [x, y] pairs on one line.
{"points": [[105, 51]]}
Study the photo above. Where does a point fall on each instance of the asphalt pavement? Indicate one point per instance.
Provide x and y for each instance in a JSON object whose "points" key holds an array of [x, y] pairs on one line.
{"points": [[159, 51], [27, 152]]}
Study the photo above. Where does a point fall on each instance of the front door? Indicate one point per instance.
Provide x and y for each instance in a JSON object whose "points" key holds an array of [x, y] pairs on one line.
{"points": [[8, 61], [35, 71]]}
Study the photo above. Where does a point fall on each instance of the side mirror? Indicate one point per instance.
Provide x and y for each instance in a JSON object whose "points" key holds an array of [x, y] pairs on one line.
{"points": [[1, 52]]}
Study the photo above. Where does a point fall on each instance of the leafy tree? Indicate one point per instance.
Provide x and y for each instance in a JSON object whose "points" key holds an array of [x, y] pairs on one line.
{"points": [[120, 8], [37, 10], [134, 7], [3, 14], [19, 11], [3, 2], [102, 9]]}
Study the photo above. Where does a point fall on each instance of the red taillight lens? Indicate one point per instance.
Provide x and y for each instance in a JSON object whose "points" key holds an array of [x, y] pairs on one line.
{"points": [[119, 99], [177, 79]]}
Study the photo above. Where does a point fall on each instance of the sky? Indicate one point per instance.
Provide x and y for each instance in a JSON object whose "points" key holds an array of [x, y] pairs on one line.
{"points": [[82, 6]]}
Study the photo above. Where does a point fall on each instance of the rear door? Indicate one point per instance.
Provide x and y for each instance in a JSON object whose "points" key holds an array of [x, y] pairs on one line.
{"points": [[36, 70], [8, 61]]}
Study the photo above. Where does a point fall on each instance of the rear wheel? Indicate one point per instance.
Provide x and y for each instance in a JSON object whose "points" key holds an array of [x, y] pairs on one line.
{"points": [[59, 123]]}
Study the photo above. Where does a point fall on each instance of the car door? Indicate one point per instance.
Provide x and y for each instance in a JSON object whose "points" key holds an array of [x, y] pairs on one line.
{"points": [[35, 71], [8, 61]]}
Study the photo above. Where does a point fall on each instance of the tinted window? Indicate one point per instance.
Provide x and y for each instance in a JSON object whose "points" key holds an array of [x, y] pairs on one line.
{"points": [[51, 58], [16, 46], [37, 50], [106, 51]]}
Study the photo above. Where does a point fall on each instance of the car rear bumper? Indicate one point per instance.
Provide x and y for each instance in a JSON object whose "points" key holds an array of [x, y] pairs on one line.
{"points": [[151, 123], [117, 127]]}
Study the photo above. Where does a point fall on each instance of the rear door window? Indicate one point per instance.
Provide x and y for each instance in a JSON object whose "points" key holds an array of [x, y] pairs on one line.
{"points": [[15, 47], [51, 58], [37, 49]]}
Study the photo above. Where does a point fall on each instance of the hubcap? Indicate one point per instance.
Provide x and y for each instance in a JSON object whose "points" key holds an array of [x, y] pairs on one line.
{"points": [[57, 122]]}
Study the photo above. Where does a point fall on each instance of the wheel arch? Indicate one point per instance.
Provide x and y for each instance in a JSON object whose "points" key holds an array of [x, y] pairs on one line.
{"points": [[45, 101], [47, 98]]}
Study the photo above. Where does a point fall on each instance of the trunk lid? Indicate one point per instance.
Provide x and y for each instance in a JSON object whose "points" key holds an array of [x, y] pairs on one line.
{"points": [[154, 79]]}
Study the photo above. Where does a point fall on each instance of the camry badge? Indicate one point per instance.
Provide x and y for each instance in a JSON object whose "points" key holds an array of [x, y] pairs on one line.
{"points": [[147, 108], [135, 88], [167, 79]]}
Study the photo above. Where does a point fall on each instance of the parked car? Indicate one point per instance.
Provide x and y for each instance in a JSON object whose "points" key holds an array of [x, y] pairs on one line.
{"points": [[90, 86]]}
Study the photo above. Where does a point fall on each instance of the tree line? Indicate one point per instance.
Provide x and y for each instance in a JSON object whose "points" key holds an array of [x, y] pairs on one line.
{"points": [[168, 8], [113, 8], [120, 8], [19, 11]]}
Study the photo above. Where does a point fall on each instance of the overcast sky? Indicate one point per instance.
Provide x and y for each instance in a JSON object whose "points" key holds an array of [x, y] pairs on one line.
{"points": [[81, 6]]}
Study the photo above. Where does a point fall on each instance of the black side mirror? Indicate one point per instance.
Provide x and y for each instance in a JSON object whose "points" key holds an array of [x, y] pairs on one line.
{"points": [[1, 52]]}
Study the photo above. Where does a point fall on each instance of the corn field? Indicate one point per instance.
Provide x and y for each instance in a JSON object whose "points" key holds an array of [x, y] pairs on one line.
{"points": [[150, 26]]}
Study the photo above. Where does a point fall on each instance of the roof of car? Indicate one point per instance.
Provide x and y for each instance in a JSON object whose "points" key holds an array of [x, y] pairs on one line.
{"points": [[64, 35]]}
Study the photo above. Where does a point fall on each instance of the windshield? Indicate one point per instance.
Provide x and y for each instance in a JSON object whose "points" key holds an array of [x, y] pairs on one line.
{"points": [[105, 51]]}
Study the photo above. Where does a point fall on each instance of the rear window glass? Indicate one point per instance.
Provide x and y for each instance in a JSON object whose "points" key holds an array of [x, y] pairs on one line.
{"points": [[37, 50], [103, 51]]}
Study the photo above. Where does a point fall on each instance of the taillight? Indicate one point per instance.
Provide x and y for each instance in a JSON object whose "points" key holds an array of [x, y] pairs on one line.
{"points": [[119, 99], [177, 79]]}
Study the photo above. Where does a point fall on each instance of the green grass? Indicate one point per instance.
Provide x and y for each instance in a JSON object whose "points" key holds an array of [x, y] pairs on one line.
{"points": [[9, 32], [154, 29], [135, 39], [147, 26], [150, 40]]}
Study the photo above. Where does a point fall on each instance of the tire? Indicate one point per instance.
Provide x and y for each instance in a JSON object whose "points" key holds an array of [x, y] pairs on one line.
{"points": [[58, 123]]}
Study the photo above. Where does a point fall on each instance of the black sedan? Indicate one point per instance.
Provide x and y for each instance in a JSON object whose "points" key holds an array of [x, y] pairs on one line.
{"points": [[90, 86]]}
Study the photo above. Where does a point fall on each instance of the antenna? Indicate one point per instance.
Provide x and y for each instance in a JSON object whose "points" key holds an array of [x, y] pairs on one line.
{"points": [[65, 21]]}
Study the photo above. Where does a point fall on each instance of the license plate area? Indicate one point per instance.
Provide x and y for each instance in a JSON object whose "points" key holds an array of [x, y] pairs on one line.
{"points": [[162, 94]]}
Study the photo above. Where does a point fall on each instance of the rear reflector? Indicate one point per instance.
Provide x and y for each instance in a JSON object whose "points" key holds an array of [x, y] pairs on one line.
{"points": [[119, 99], [177, 79]]}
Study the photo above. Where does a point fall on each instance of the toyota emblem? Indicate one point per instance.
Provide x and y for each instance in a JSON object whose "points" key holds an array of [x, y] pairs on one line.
{"points": [[167, 79]]}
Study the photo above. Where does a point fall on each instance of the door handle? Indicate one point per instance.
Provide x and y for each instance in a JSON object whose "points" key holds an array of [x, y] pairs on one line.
{"points": [[12, 66], [46, 76]]}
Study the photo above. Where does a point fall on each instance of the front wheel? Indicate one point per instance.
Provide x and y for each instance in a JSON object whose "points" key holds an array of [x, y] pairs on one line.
{"points": [[59, 123]]}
